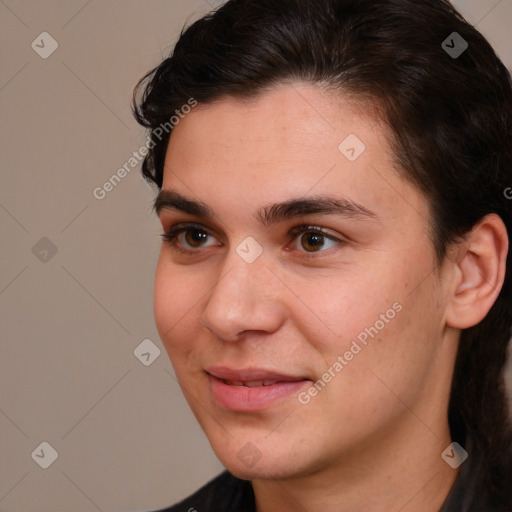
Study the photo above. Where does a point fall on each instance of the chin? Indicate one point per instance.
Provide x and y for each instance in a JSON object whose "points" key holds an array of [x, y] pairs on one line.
{"points": [[261, 471], [267, 463]]}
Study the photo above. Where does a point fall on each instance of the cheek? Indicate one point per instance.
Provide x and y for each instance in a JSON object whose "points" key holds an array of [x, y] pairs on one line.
{"points": [[334, 309], [176, 302], [375, 319], [164, 300], [386, 357]]}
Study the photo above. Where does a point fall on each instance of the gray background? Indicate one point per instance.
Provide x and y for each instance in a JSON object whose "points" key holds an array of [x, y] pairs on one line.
{"points": [[71, 321]]}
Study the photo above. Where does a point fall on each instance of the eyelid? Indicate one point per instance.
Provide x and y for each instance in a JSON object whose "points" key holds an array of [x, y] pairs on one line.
{"points": [[174, 231], [308, 228], [311, 228]]}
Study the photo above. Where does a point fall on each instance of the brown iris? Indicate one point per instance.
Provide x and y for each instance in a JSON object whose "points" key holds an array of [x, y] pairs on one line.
{"points": [[195, 238], [311, 242]]}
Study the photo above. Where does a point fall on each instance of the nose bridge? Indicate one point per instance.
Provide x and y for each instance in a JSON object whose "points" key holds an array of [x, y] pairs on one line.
{"points": [[241, 300]]}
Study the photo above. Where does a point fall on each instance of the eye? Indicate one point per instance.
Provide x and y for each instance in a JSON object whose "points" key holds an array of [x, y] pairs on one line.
{"points": [[189, 238], [313, 239]]}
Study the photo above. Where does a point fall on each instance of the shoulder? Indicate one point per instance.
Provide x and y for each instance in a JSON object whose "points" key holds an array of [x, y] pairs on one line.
{"points": [[225, 493]]}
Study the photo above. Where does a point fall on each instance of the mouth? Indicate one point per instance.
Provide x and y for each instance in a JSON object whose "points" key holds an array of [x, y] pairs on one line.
{"points": [[251, 383], [252, 389]]}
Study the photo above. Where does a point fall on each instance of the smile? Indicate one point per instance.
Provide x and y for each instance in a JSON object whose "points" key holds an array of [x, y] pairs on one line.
{"points": [[251, 390]]}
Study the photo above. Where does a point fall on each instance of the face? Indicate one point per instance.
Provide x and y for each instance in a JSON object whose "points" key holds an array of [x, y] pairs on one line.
{"points": [[295, 292]]}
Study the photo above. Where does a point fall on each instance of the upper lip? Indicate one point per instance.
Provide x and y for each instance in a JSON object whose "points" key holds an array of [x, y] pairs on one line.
{"points": [[251, 375]]}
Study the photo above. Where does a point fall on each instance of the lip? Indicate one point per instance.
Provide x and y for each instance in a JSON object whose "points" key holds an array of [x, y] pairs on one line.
{"points": [[251, 374], [251, 399]]}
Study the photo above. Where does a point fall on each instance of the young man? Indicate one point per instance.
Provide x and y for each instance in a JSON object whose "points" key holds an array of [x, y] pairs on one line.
{"points": [[334, 287]]}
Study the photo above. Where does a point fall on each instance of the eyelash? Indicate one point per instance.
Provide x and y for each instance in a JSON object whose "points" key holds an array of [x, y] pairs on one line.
{"points": [[170, 237], [173, 233]]}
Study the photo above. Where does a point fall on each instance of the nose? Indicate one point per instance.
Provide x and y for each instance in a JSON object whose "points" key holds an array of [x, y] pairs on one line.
{"points": [[245, 298]]}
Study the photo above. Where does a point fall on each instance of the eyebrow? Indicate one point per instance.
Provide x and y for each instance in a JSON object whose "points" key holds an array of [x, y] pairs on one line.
{"points": [[324, 205], [167, 200], [271, 214]]}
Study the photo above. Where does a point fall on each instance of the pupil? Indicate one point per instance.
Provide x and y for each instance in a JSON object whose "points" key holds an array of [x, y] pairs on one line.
{"points": [[195, 238], [313, 241]]}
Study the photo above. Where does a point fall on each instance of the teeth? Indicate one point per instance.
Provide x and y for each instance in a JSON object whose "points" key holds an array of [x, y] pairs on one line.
{"points": [[254, 383], [251, 383]]}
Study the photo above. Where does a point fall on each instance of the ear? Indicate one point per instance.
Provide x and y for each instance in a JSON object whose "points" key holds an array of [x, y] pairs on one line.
{"points": [[479, 273]]}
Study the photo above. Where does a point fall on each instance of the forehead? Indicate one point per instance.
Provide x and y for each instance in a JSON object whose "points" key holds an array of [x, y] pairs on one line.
{"points": [[291, 141], [291, 121]]}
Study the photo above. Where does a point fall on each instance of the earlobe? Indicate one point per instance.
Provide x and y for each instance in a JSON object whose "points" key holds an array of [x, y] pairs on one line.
{"points": [[480, 272]]}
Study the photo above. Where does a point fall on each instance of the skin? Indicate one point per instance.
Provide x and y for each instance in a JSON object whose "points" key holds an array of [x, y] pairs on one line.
{"points": [[372, 439]]}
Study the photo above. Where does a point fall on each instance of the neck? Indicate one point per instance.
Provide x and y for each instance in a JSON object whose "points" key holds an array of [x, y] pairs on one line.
{"points": [[402, 471]]}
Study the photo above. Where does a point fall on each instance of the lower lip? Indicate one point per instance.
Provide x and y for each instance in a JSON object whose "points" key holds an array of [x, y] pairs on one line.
{"points": [[243, 398]]}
